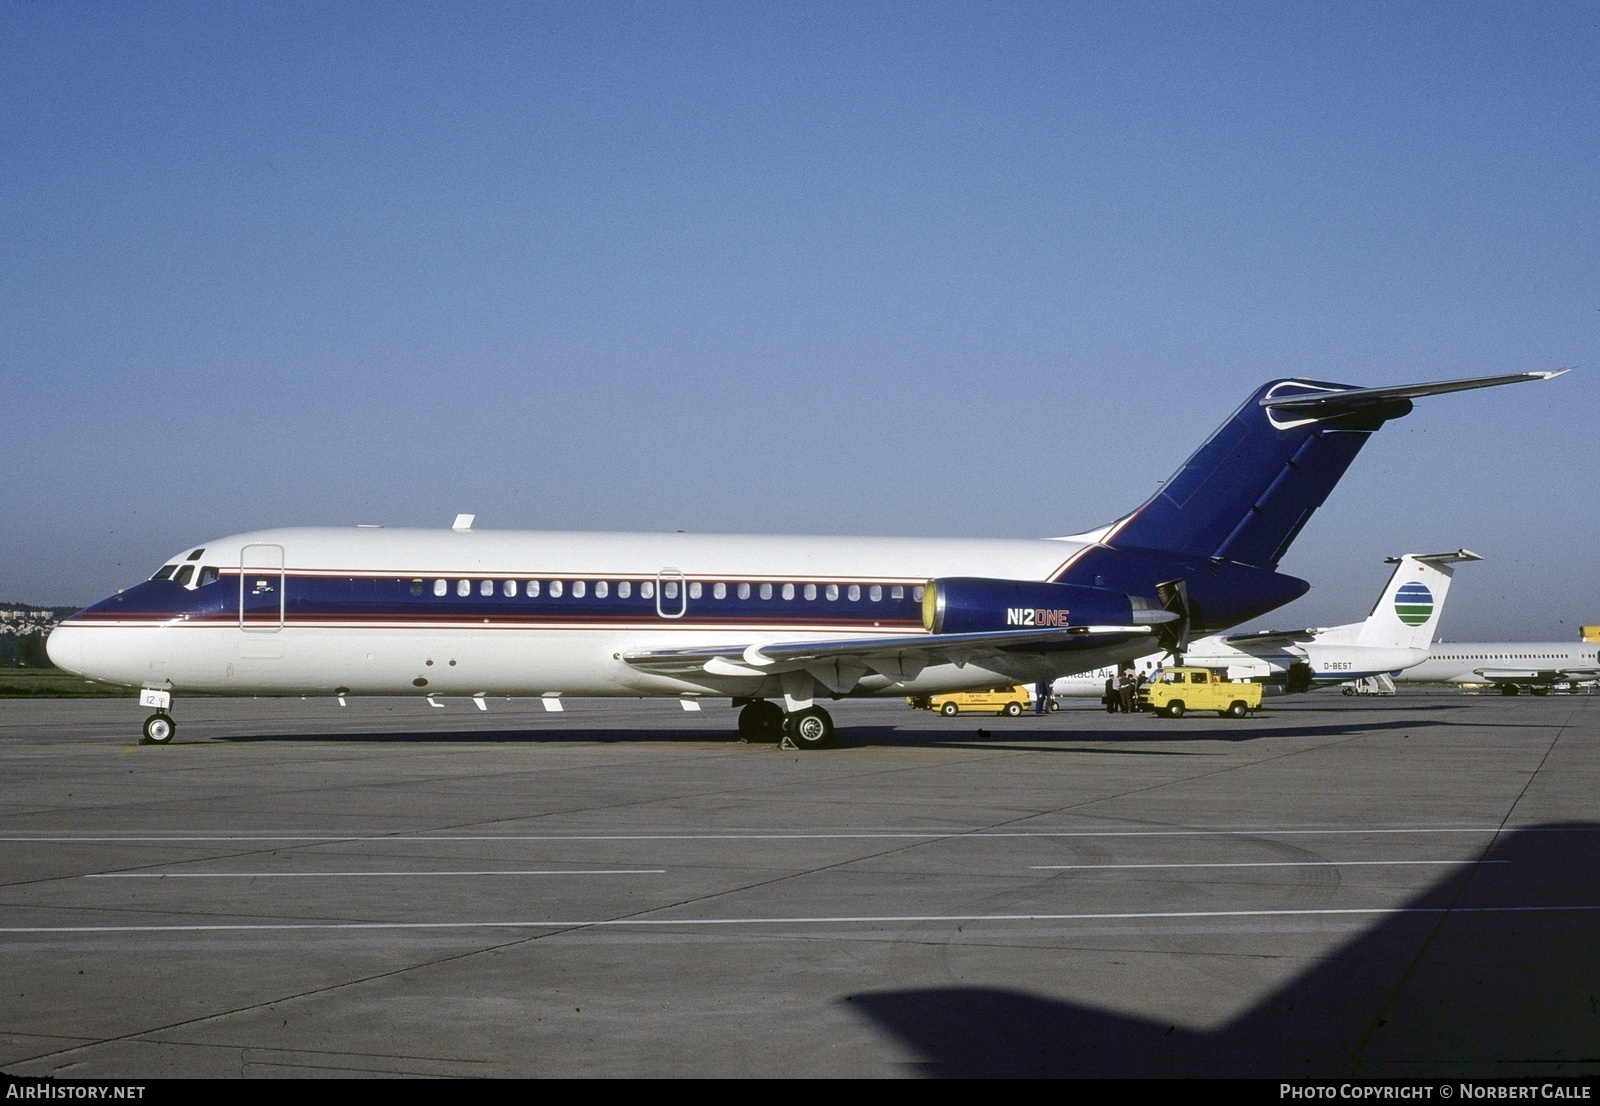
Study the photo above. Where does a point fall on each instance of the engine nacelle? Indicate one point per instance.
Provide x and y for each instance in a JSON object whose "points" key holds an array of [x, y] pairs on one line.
{"points": [[972, 604]]}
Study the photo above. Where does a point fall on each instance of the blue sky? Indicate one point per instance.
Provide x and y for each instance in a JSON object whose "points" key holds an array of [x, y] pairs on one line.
{"points": [[962, 269]]}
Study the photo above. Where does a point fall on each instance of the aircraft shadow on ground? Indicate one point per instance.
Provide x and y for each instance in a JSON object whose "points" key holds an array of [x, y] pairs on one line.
{"points": [[1470, 983], [1001, 736], [1146, 729]]}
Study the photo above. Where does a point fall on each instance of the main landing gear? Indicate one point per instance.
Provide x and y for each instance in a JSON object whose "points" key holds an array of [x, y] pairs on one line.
{"points": [[811, 728], [761, 721], [764, 721]]}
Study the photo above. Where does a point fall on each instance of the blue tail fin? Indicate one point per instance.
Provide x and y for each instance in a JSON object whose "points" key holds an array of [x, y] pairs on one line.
{"points": [[1247, 492]]}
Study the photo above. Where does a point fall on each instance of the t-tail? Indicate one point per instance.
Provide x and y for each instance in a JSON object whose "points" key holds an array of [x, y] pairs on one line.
{"points": [[1220, 525], [1249, 490], [1406, 615]]}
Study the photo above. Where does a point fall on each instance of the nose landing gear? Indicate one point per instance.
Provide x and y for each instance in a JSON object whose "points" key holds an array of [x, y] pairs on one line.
{"points": [[159, 727]]}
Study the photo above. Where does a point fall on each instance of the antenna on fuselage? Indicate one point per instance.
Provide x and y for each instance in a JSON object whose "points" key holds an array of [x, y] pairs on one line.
{"points": [[463, 523]]}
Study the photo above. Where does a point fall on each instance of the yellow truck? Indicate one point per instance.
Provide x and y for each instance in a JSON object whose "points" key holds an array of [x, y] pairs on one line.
{"points": [[1009, 701], [1174, 691]]}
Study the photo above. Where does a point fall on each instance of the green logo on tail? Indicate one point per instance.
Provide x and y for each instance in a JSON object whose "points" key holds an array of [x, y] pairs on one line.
{"points": [[1414, 604]]}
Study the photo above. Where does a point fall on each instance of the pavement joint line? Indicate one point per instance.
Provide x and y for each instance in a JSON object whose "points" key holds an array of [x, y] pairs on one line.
{"points": [[1265, 864], [405, 875], [862, 919], [918, 835]]}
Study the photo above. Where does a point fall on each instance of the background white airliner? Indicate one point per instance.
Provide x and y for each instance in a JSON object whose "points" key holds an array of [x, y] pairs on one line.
{"points": [[1392, 638], [1508, 665], [371, 611]]}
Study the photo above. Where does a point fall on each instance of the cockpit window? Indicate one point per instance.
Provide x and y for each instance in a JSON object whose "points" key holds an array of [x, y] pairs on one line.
{"points": [[184, 575], [209, 575], [164, 572], [195, 556]]}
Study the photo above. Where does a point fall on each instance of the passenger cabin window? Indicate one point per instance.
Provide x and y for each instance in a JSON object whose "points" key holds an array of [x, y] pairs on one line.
{"points": [[832, 592], [766, 591], [694, 590], [555, 589], [744, 591], [601, 588], [647, 590], [719, 591], [440, 587], [578, 588], [486, 588], [897, 592], [416, 587], [509, 588], [875, 593], [788, 591], [624, 589], [811, 591], [463, 587], [854, 593], [669, 589], [533, 589]]}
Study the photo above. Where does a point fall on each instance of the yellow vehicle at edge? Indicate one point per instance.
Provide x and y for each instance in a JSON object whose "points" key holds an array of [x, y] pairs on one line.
{"points": [[1009, 701]]}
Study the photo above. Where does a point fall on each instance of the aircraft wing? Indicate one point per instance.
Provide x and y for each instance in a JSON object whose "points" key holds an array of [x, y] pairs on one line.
{"points": [[1272, 637], [839, 663], [1544, 675]]}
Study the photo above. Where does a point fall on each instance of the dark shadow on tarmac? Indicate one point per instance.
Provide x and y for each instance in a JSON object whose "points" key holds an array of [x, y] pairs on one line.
{"points": [[956, 736], [1495, 974]]}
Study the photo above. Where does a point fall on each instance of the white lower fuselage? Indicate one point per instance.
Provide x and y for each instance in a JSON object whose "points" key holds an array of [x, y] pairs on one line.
{"points": [[456, 614]]}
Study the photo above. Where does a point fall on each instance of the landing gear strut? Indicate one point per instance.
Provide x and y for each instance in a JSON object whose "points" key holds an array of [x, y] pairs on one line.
{"points": [[159, 728], [811, 728], [761, 721]]}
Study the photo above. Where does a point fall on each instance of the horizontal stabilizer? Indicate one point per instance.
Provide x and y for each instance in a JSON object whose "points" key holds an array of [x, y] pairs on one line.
{"points": [[1436, 558], [1345, 398]]}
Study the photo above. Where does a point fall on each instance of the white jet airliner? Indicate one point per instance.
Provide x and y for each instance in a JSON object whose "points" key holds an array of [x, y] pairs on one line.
{"points": [[1394, 637], [1508, 665], [370, 611]]}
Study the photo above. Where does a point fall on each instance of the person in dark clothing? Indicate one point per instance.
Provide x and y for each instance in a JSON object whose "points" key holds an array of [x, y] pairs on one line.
{"points": [[1110, 698], [1125, 692]]}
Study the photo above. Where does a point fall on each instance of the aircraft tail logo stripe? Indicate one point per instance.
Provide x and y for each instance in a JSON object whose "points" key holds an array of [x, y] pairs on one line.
{"points": [[1414, 604]]}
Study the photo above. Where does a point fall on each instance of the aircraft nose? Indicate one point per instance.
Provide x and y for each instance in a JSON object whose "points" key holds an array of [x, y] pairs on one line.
{"points": [[65, 648]]}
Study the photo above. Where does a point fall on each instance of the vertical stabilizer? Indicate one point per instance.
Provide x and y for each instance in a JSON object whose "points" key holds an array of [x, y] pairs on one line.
{"points": [[1246, 493], [1407, 613]]}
